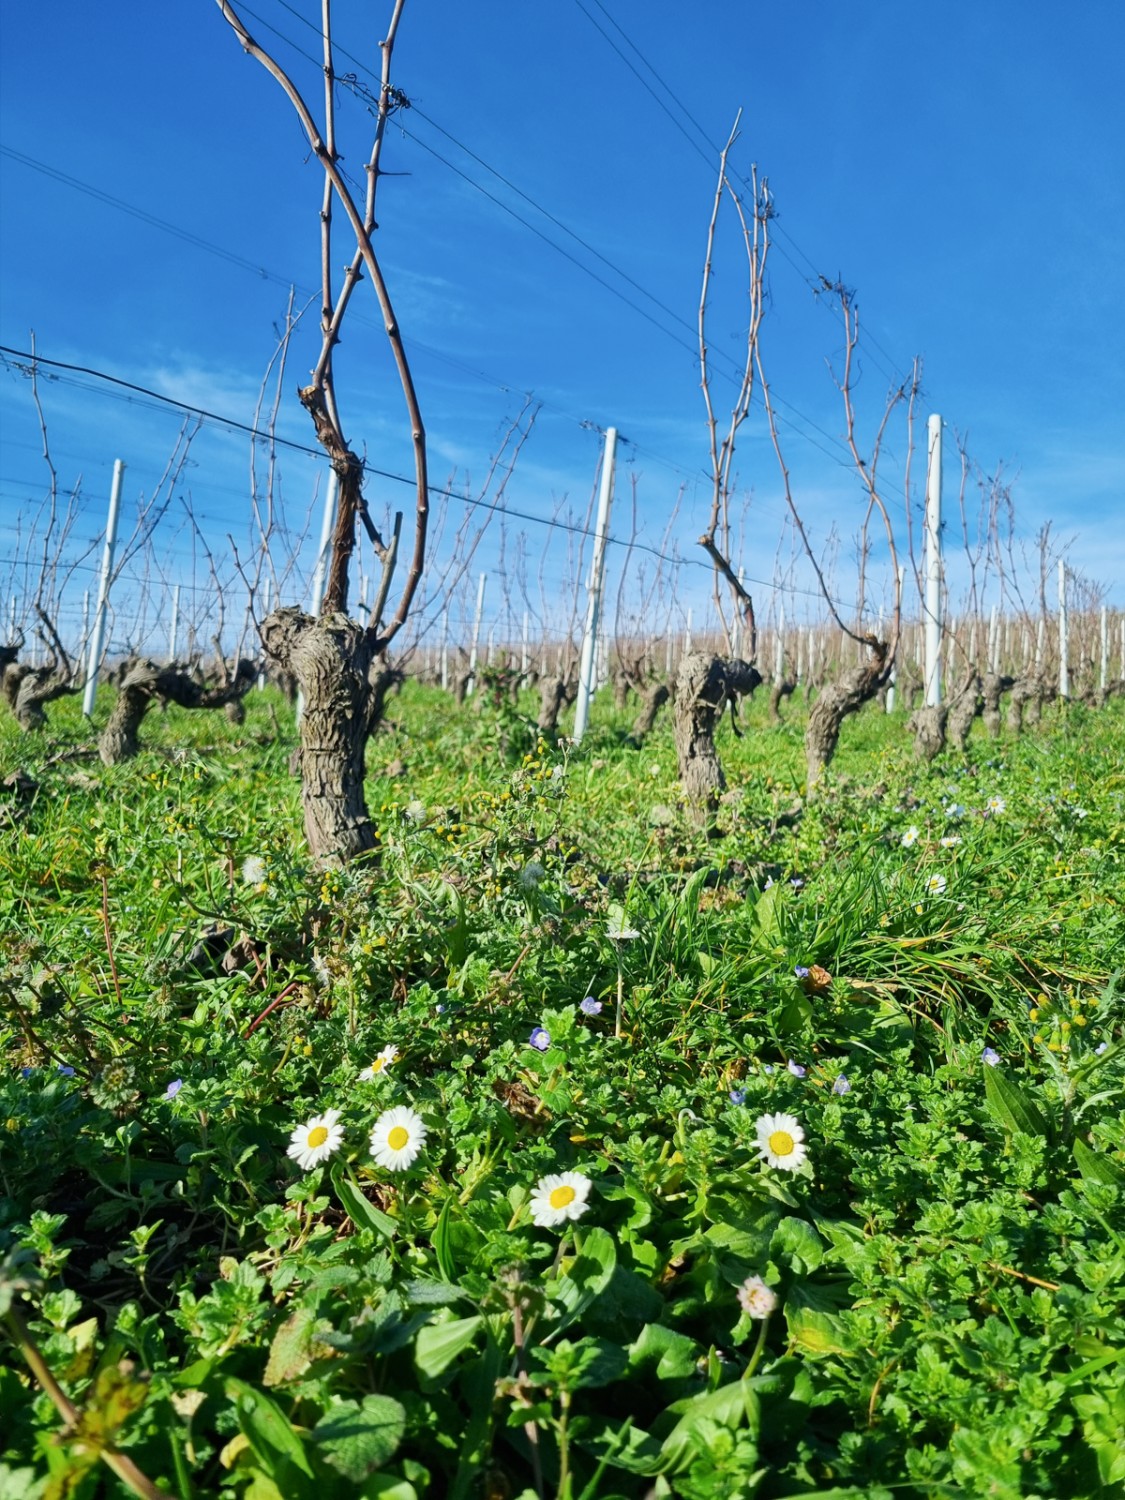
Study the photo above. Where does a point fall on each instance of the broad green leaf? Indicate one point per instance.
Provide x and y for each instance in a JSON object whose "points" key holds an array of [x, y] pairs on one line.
{"points": [[424, 1291], [730, 1406], [1010, 1105], [816, 1333], [586, 1276], [266, 1427], [442, 1241], [291, 1349], [362, 1212], [799, 1243], [356, 1437], [670, 1355], [1095, 1166], [439, 1344], [388, 1487], [767, 922]]}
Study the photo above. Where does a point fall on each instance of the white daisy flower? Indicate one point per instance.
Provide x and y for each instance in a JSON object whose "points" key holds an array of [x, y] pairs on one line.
{"points": [[781, 1141], [621, 933], [910, 837], [950, 841], [935, 886], [995, 805], [755, 1298], [381, 1063], [316, 1140], [558, 1197], [397, 1138]]}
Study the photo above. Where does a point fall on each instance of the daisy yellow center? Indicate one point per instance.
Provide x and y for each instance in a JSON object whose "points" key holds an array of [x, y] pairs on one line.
{"points": [[318, 1136], [398, 1137], [378, 1065], [781, 1143], [562, 1196]]}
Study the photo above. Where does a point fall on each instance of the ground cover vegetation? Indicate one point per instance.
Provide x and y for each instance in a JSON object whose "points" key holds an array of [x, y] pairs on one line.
{"points": [[563, 1147]]}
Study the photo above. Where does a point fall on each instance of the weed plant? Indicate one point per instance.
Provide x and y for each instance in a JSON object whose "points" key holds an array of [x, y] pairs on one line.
{"points": [[562, 1149]]}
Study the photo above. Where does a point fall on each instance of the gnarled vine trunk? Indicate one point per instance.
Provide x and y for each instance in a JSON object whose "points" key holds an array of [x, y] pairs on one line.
{"points": [[705, 684], [1026, 702], [333, 661], [653, 699], [36, 687], [927, 725], [836, 701], [779, 691], [963, 710], [993, 687], [554, 693], [146, 683]]}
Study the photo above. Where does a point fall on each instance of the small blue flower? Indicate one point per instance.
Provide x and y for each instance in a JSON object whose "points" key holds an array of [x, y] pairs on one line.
{"points": [[842, 1086], [1098, 1050], [796, 882], [173, 1088], [590, 1006], [441, 1010], [65, 1071], [767, 1068], [795, 1068], [26, 1072], [540, 1039], [801, 971], [738, 1096], [991, 1056]]}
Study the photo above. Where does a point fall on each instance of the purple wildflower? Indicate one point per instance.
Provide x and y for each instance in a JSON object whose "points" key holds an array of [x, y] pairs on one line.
{"points": [[590, 1006], [65, 1071], [796, 882], [795, 1068], [991, 1056], [801, 971], [540, 1039], [738, 1096], [842, 1086], [173, 1088]]}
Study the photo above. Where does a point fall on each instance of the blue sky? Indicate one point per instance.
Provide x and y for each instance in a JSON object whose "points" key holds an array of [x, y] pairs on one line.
{"points": [[963, 168]]}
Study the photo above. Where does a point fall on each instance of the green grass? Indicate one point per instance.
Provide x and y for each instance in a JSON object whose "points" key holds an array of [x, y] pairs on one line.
{"points": [[948, 1263]]}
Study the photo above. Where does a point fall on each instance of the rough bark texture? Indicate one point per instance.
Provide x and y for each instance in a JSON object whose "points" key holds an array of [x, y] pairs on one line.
{"points": [[332, 660], [837, 700], [993, 686], [705, 684], [779, 691], [554, 692], [13, 675], [908, 688], [37, 687], [927, 725], [653, 700], [1028, 696], [963, 709], [147, 683]]}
